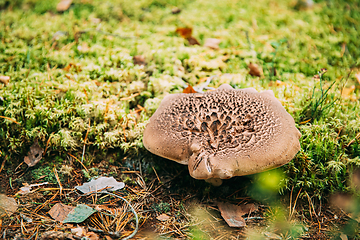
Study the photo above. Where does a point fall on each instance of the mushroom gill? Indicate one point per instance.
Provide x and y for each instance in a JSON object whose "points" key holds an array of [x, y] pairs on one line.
{"points": [[223, 133]]}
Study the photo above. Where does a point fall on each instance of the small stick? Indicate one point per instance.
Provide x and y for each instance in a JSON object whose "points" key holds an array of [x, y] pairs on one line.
{"points": [[3, 164], [10, 119], [57, 179], [130, 97], [47, 143], [45, 203], [155, 174], [79, 162]]}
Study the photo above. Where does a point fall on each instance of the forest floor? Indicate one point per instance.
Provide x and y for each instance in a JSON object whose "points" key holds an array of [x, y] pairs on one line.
{"points": [[80, 79]]}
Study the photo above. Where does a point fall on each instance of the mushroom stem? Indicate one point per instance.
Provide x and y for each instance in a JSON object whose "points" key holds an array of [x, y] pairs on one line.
{"points": [[214, 181]]}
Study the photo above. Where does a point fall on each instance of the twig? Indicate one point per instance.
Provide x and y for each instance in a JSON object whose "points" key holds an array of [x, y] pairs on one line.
{"points": [[47, 143], [79, 162], [10, 119], [293, 209], [86, 135], [3, 164], [351, 142], [58, 179], [45, 203], [130, 97]]}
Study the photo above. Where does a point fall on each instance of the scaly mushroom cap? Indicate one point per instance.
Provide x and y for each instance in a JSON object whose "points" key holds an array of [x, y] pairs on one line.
{"points": [[223, 133]]}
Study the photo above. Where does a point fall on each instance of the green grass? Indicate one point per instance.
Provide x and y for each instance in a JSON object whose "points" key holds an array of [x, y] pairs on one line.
{"points": [[61, 107]]}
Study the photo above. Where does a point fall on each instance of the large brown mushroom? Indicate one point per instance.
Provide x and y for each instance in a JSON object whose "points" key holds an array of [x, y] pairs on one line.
{"points": [[223, 133]]}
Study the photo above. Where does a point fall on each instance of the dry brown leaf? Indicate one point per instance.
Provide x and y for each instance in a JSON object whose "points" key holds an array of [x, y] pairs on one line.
{"points": [[163, 217], [63, 5], [271, 235], [139, 60], [212, 43], [347, 93], [192, 41], [60, 211], [232, 214], [187, 34], [92, 236], [4, 79], [189, 89], [78, 232], [357, 75], [34, 155], [8, 205], [255, 70], [72, 65], [184, 32], [175, 10]]}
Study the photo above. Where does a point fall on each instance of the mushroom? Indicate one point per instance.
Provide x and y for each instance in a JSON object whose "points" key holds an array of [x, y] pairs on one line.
{"points": [[223, 133]]}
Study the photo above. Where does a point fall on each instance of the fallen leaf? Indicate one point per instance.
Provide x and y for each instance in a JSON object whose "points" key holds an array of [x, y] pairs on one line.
{"points": [[8, 206], [189, 89], [78, 232], [192, 41], [232, 214], [27, 188], [272, 235], [72, 65], [79, 214], [163, 217], [184, 32], [92, 236], [343, 236], [175, 10], [34, 155], [139, 60], [357, 75], [108, 183], [187, 34], [63, 5], [5, 80], [347, 92], [60, 211], [212, 43], [255, 70]]}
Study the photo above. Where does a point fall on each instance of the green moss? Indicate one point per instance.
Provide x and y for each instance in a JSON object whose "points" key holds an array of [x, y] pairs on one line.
{"points": [[67, 85]]}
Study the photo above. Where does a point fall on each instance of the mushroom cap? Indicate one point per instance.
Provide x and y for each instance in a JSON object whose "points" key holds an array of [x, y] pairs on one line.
{"points": [[223, 133]]}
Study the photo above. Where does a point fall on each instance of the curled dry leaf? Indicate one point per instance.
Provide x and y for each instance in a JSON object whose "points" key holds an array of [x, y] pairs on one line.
{"points": [[232, 214], [255, 70], [192, 41], [102, 183], [60, 211], [189, 89], [175, 10], [139, 60], [4, 79], [212, 43], [78, 232], [184, 32], [163, 217], [34, 155], [187, 34], [8, 206], [63, 5]]}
